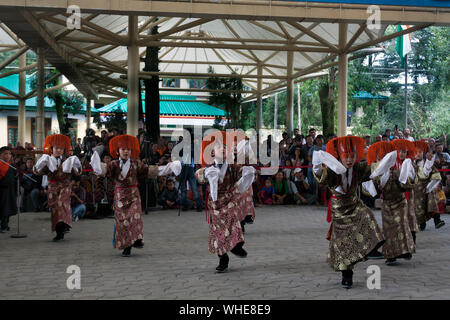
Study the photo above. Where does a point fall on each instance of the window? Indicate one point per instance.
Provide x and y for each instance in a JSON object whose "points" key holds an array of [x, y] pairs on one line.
{"points": [[13, 130], [171, 83], [197, 83]]}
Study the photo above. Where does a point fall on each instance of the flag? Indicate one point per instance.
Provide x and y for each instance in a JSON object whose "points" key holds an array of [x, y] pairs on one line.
{"points": [[403, 44]]}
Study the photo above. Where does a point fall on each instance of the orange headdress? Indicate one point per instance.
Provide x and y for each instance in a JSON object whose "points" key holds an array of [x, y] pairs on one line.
{"points": [[124, 141], [421, 146], [348, 146], [378, 150], [209, 139], [403, 144], [57, 140]]}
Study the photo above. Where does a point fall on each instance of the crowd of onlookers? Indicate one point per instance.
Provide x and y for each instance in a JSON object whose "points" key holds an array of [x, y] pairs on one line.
{"points": [[92, 196]]}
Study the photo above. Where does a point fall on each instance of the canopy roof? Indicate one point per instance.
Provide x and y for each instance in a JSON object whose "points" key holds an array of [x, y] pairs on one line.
{"points": [[266, 43]]}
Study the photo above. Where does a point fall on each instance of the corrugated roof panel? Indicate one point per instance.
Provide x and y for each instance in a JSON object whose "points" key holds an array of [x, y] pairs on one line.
{"points": [[180, 107]]}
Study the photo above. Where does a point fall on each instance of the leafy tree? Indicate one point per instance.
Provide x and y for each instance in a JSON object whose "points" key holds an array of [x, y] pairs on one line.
{"points": [[229, 101]]}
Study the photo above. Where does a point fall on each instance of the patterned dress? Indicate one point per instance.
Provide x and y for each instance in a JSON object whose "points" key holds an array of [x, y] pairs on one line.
{"points": [[59, 195], [127, 203], [355, 232], [395, 213], [226, 213], [425, 203], [245, 200]]}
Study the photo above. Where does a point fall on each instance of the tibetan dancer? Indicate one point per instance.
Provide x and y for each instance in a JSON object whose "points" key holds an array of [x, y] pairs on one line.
{"points": [[58, 171], [228, 184], [426, 206], [128, 230], [402, 146], [354, 233], [393, 177]]}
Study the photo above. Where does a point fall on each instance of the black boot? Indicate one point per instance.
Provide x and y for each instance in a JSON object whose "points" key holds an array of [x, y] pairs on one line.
{"points": [[138, 244], [422, 226], [248, 219], [59, 228], [347, 279], [391, 262], [414, 236], [223, 263], [126, 252], [437, 221], [239, 251], [374, 255]]}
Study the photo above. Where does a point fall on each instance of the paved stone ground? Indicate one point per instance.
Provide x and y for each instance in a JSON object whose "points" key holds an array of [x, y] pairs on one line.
{"points": [[287, 252]]}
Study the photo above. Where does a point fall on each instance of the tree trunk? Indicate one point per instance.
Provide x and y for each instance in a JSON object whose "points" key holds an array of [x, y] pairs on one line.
{"points": [[152, 92], [326, 96]]}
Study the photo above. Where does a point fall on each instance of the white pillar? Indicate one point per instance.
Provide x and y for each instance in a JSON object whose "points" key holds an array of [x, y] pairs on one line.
{"points": [[275, 116], [40, 101], [21, 124], [133, 78], [259, 101], [299, 110], [342, 82], [290, 94], [89, 105]]}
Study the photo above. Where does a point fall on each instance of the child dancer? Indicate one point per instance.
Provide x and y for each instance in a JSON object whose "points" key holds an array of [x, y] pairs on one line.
{"points": [[397, 177], [128, 230], [58, 171], [427, 174], [227, 183], [355, 235]]}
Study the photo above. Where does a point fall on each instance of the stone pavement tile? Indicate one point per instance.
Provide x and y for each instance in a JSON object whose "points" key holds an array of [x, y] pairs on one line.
{"points": [[287, 260]]}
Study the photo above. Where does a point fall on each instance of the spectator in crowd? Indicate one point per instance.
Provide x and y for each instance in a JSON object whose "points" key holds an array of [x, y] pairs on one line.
{"points": [[367, 139], [305, 149], [378, 138], [78, 199], [407, 135], [441, 156], [154, 157], [19, 146], [169, 197], [442, 200], [28, 146], [32, 190], [161, 146], [284, 154], [300, 188], [385, 137], [388, 133], [77, 148], [266, 192], [431, 144], [280, 185], [297, 157], [312, 133]]}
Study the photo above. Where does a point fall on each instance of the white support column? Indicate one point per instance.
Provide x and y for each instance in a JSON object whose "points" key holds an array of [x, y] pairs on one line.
{"points": [[40, 101], [133, 78], [299, 110], [21, 125], [290, 94], [89, 105], [342, 82], [259, 101]]}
